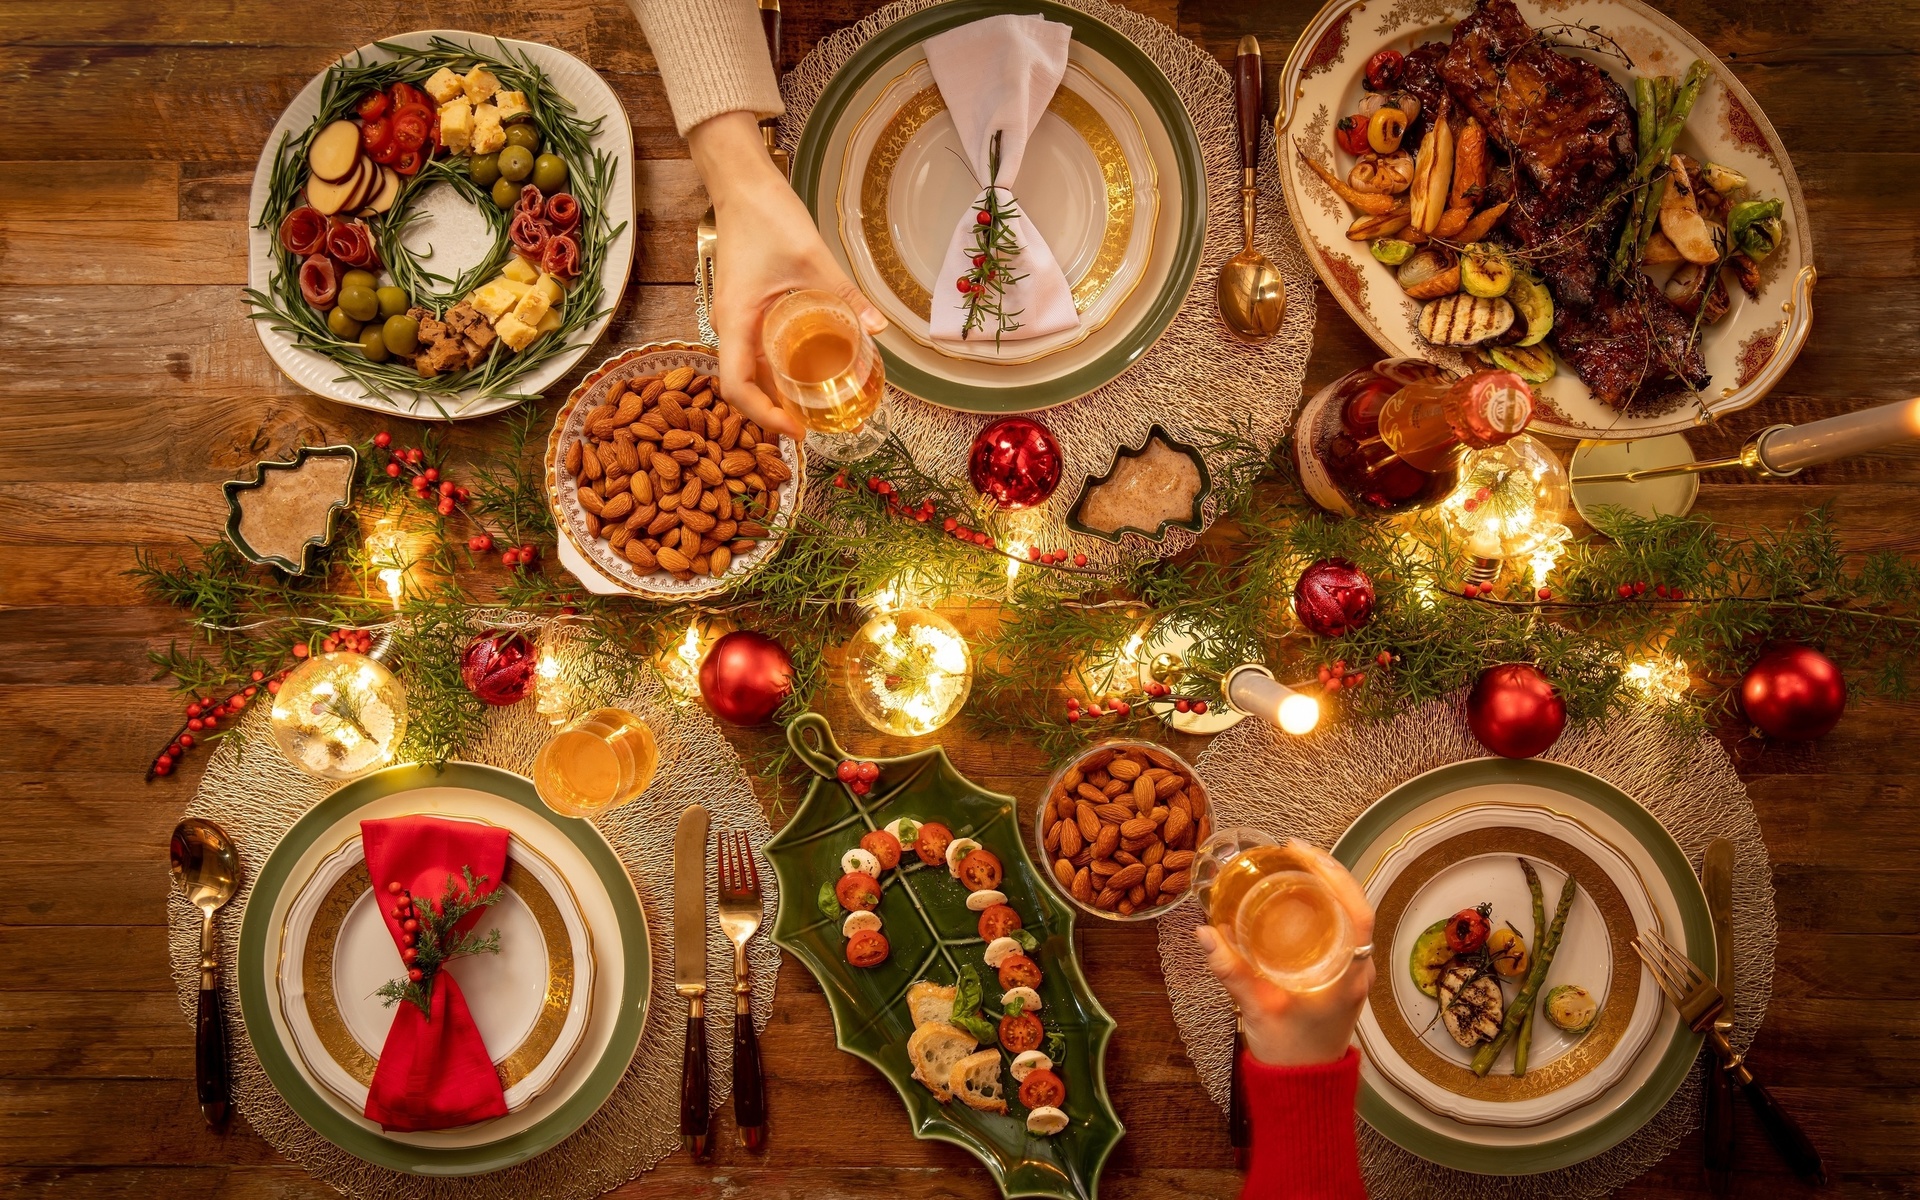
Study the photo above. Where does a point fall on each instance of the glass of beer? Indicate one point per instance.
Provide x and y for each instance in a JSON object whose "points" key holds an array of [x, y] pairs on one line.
{"points": [[598, 762], [1281, 915], [828, 372]]}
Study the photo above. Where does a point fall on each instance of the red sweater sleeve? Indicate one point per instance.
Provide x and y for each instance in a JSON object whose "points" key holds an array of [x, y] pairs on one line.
{"points": [[1303, 1140]]}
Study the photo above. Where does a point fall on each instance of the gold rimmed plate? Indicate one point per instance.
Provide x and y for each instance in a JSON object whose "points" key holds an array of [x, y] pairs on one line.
{"points": [[531, 1001]]}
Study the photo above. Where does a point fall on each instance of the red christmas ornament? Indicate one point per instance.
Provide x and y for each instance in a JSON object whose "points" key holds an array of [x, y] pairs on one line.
{"points": [[1333, 597], [745, 677], [498, 668], [1515, 711], [1794, 693], [1015, 462]]}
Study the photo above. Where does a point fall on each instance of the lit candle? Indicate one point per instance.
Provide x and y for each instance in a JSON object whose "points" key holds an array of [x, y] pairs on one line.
{"points": [[1252, 689], [1792, 448]]}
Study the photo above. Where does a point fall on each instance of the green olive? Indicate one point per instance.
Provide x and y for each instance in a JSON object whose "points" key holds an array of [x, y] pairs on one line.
{"points": [[549, 172], [516, 163], [373, 344], [524, 136], [359, 302], [363, 279], [506, 193], [343, 326], [393, 300], [402, 334], [483, 169]]}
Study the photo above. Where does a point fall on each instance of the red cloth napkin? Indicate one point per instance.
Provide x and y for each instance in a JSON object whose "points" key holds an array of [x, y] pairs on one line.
{"points": [[434, 1071]]}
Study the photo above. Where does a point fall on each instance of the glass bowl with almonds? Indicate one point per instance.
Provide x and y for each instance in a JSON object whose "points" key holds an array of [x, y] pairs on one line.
{"points": [[659, 484], [1116, 831]]}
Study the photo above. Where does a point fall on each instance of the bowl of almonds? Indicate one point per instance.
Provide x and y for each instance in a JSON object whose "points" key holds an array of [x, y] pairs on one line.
{"points": [[660, 484], [1118, 830]]}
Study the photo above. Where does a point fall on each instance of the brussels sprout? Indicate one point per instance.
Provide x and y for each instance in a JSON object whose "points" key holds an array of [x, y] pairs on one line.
{"points": [[1485, 272], [1722, 179], [1755, 227], [1392, 251], [1571, 1008]]}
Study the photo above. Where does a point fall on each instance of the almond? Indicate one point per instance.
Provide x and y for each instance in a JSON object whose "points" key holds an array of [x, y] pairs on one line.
{"points": [[1127, 858], [1107, 842], [625, 453], [573, 458], [772, 469], [638, 554], [666, 468], [689, 540], [672, 560], [1167, 785], [1089, 820], [752, 529], [1070, 839], [1154, 853], [1127, 877], [670, 502], [735, 463], [1063, 871], [1091, 794], [1143, 794], [722, 558], [616, 481], [695, 520], [702, 565], [641, 517], [1108, 899], [1083, 886], [686, 456], [590, 500], [730, 431], [591, 462], [1124, 768], [677, 379], [1137, 894], [642, 488], [690, 494], [1178, 860], [1114, 814], [617, 507], [1177, 821], [671, 410], [651, 388], [676, 439], [593, 525], [1155, 874], [629, 411], [1138, 827], [665, 521], [1116, 787], [1174, 883], [617, 536], [709, 472], [1104, 868]]}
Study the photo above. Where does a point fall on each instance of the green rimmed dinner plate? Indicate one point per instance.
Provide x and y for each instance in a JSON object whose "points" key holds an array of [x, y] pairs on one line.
{"points": [[930, 930], [609, 905], [1635, 833], [1178, 230]]}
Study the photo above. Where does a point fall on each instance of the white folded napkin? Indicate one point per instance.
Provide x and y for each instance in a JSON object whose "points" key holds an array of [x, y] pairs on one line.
{"points": [[999, 74]]}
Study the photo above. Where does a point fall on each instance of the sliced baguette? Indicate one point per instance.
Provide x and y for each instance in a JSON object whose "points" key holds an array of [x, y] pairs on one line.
{"points": [[976, 1080], [935, 1049], [930, 1002]]}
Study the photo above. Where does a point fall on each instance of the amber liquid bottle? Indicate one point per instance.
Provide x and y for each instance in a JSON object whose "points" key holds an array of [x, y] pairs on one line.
{"points": [[1389, 438]]}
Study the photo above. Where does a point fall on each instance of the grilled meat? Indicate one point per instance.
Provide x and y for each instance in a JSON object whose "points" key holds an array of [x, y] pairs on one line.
{"points": [[1470, 1003]]}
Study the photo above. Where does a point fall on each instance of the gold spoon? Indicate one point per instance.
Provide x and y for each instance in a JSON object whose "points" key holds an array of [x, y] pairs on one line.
{"points": [[1251, 294], [206, 869]]}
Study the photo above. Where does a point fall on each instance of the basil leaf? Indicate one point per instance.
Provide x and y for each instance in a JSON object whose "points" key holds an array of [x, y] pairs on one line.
{"points": [[1017, 1006], [1056, 1045], [967, 994], [909, 832], [1027, 941], [982, 1030], [830, 903]]}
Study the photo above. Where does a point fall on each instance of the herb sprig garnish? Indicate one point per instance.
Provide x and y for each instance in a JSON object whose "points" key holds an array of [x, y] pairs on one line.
{"points": [[994, 249], [436, 943]]}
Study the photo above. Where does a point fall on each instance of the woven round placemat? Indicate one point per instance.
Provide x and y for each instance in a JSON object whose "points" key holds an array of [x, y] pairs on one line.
{"points": [[256, 796], [1195, 378], [1314, 787]]}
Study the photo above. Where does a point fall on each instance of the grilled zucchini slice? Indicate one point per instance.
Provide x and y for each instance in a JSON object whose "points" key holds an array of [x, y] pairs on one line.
{"points": [[1463, 320]]}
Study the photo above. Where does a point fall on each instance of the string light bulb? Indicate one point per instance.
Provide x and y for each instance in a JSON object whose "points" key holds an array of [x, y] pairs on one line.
{"points": [[387, 555], [1511, 504], [1252, 690], [340, 715], [908, 672], [1661, 679], [679, 663], [556, 673]]}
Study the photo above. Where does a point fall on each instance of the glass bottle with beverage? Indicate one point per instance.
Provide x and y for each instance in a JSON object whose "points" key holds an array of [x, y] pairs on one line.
{"points": [[827, 372], [1280, 914], [598, 762], [1390, 438]]}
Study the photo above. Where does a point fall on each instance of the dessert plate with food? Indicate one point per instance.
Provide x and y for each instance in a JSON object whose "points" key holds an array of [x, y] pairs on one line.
{"points": [[948, 964], [1445, 858], [1578, 192], [442, 224]]}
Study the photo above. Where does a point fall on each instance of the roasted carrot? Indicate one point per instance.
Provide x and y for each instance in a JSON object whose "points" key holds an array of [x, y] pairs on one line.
{"points": [[1378, 205], [1483, 222]]}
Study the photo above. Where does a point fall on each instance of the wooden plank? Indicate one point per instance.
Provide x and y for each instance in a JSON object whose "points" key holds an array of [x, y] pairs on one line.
{"points": [[70, 191]]}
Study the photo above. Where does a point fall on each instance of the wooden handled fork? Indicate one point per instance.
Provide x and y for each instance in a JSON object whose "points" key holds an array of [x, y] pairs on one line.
{"points": [[740, 917], [1699, 1003]]}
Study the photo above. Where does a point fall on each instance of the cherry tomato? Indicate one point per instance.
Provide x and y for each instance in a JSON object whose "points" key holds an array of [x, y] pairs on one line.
{"points": [[403, 94], [883, 846], [1042, 1087], [411, 125], [857, 890], [1351, 133], [1020, 1033], [386, 154], [1384, 70], [377, 134], [932, 843], [406, 162], [1467, 931], [998, 922], [980, 870], [1019, 971], [372, 105], [868, 948]]}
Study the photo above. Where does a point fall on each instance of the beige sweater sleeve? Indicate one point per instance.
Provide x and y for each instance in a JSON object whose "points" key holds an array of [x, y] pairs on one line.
{"points": [[713, 58]]}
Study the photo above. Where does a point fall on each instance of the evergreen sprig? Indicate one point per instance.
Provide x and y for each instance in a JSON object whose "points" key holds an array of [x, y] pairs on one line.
{"points": [[995, 246], [438, 942]]}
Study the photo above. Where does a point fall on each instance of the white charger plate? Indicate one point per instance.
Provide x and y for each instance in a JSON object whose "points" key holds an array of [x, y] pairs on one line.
{"points": [[455, 230], [530, 1001]]}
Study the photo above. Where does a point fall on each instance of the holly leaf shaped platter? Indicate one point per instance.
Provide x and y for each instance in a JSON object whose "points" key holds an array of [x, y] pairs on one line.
{"points": [[932, 935]]}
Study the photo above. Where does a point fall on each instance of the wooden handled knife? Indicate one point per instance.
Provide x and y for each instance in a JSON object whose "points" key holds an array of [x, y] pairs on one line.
{"points": [[690, 971]]}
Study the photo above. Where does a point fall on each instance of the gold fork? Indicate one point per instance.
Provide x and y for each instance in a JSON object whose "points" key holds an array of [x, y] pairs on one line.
{"points": [[705, 239], [1699, 1002], [740, 917]]}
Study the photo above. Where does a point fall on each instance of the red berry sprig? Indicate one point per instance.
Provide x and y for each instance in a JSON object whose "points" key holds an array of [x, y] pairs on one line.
{"points": [[1335, 676], [859, 775], [927, 510], [1121, 706], [204, 716], [449, 498]]}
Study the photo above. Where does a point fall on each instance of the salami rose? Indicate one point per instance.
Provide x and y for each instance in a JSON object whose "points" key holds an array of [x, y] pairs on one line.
{"points": [[319, 282], [530, 202], [303, 231], [561, 258], [528, 233], [351, 243], [563, 212]]}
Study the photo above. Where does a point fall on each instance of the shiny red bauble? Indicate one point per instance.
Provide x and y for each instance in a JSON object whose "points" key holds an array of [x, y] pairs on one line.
{"points": [[1515, 710], [1793, 693], [1015, 462], [498, 667], [1333, 597], [745, 677]]}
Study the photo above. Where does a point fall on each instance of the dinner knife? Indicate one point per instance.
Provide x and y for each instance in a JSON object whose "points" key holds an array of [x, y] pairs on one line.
{"points": [[690, 971], [770, 23], [1239, 1120], [1716, 879]]}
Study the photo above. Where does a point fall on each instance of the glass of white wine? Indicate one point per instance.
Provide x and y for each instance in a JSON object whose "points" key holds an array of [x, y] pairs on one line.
{"points": [[598, 762], [1282, 916], [828, 372]]}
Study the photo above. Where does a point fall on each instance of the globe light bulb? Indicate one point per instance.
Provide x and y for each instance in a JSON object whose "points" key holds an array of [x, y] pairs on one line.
{"points": [[340, 715], [908, 672], [1511, 504], [1251, 688]]}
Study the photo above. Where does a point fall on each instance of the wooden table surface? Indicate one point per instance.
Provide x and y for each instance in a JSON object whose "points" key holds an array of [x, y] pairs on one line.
{"points": [[133, 385]]}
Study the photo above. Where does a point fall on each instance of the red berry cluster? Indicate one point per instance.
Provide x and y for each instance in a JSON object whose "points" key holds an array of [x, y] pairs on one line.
{"points": [[926, 510], [402, 913], [1117, 706], [359, 641], [204, 716], [1638, 588], [448, 498], [857, 775], [1335, 675], [1474, 591]]}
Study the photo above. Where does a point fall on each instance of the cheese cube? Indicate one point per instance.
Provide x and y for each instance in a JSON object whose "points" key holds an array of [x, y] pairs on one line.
{"points": [[517, 334], [445, 85], [512, 105], [520, 270], [551, 287], [480, 85], [496, 297], [532, 306], [456, 124], [487, 134], [550, 322]]}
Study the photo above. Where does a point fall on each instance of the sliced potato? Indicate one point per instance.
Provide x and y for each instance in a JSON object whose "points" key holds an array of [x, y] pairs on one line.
{"points": [[1432, 176], [1462, 320], [1681, 221], [1530, 297], [1531, 363], [1659, 249], [335, 151]]}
